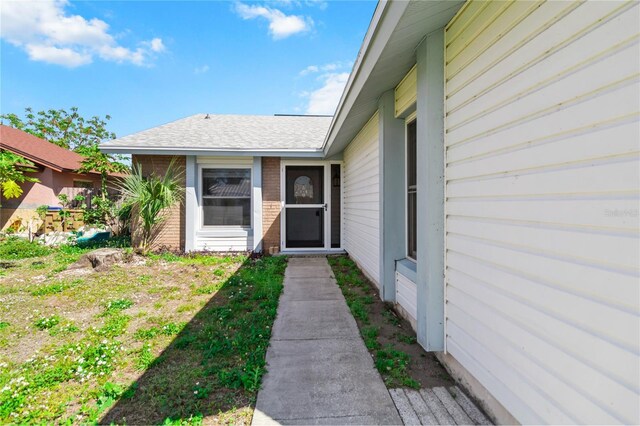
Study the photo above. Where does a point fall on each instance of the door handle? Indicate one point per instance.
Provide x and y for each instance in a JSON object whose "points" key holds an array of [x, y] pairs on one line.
{"points": [[325, 207]]}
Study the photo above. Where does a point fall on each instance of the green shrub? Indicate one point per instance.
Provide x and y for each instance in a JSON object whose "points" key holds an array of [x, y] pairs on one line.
{"points": [[14, 248]]}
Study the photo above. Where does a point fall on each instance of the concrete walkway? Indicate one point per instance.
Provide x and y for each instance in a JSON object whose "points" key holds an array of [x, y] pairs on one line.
{"points": [[319, 371]]}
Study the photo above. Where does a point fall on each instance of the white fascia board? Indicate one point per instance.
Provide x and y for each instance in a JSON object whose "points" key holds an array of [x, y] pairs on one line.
{"points": [[137, 150], [385, 19]]}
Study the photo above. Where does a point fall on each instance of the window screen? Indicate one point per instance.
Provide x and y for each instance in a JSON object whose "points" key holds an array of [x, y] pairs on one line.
{"points": [[226, 197]]}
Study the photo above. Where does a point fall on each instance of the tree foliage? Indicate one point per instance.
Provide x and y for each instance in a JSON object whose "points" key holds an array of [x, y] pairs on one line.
{"points": [[100, 162], [70, 130], [12, 174], [67, 129], [149, 197]]}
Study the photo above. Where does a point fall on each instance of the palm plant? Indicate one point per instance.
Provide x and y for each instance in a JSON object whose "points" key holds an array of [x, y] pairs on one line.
{"points": [[149, 197]]}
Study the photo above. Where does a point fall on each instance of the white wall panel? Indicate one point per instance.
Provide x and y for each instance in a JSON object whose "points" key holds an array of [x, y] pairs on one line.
{"points": [[407, 295], [542, 196], [362, 199]]}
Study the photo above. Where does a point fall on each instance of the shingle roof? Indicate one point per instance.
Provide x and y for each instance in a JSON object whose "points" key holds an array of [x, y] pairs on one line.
{"points": [[38, 150], [232, 132]]}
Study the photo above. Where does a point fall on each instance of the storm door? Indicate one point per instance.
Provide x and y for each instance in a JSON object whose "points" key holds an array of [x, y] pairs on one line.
{"points": [[305, 207]]}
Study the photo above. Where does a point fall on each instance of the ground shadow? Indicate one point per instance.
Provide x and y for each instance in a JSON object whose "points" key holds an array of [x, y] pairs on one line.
{"points": [[215, 364]]}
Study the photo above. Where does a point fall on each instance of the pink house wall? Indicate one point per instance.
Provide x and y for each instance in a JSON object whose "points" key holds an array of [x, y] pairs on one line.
{"points": [[40, 193]]}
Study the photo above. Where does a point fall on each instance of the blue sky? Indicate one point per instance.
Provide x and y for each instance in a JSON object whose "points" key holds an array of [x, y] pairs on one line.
{"points": [[147, 63]]}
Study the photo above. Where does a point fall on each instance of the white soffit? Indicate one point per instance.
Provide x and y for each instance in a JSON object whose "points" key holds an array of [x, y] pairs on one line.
{"points": [[387, 54]]}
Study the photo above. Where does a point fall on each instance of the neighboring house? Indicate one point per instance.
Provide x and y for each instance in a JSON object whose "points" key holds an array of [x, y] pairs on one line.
{"points": [[483, 169], [54, 166]]}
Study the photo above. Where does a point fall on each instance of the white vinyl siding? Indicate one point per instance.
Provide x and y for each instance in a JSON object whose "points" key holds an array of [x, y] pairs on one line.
{"points": [[362, 199], [406, 92], [223, 241], [542, 188], [407, 295]]}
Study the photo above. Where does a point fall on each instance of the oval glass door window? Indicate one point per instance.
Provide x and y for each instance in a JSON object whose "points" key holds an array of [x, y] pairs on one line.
{"points": [[303, 189]]}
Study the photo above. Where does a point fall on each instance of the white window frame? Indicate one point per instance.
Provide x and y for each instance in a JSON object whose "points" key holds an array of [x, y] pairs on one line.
{"points": [[214, 166], [408, 120]]}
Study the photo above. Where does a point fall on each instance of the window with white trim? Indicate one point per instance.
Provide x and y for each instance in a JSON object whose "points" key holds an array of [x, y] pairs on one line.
{"points": [[412, 193], [226, 197]]}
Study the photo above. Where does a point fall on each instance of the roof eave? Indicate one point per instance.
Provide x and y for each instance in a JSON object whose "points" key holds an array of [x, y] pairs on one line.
{"points": [[221, 152], [361, 69], [394, 34], [32, 158]]}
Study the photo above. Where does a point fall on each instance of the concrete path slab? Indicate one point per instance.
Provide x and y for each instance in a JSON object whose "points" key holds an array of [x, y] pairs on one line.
{"points": [[309, 289], [321, 319], [319, 371]]}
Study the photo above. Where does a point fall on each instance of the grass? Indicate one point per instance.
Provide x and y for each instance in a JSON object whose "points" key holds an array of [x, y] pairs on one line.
{"points": [[391, 362], [171, 340]]}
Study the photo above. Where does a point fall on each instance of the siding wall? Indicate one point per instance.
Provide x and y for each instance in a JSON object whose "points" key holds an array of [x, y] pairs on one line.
{"points": [[542, 189], [407, 296], [172, 234], [406, 92], [362, 199]]}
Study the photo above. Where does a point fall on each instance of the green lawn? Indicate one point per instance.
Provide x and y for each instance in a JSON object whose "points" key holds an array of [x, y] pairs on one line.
{"points": [[163, 339]]}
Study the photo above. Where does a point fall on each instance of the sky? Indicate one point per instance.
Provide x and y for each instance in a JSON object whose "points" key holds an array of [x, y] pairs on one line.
{"points": [[146, 63]]}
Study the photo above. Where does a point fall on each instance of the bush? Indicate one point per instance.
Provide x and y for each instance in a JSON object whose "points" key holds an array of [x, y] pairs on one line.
{"points": [[14, 248]]}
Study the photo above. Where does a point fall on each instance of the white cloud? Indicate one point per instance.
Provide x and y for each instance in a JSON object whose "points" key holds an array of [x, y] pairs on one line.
{"points": [[56, 55], [320, 4], [331, 67], [201, 70], [280, 25], [49, 34], [310, 69], [325, 99], [157, 45]]}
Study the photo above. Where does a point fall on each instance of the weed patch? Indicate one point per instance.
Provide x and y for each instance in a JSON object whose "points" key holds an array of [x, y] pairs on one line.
{"points": [[45, 323], [175, 340], [390, 340]]}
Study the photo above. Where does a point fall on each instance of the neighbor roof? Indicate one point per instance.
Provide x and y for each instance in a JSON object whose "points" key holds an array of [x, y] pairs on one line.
{"points": [[233, 133], [38, 150]]}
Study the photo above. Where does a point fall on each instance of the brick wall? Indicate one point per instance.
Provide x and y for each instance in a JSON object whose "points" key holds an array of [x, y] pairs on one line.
{"points": [[171, 235], [271, 204]]}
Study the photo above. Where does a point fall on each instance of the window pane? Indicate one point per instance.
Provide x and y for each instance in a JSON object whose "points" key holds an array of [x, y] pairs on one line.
{"points": [[412, 222], [412, 212], [226, 211], [304, 184], [411, 154], [226, 183]]}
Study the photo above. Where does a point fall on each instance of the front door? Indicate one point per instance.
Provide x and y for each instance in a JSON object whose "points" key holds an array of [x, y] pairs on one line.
{"points": [[305, 207]]}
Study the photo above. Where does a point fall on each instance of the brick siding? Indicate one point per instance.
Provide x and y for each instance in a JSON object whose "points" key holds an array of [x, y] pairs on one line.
{"points": [[271, 204], [171, 235]]}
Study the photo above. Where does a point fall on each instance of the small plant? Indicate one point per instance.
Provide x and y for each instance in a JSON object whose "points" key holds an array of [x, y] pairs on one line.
{"points": [[370, 336], [115, 325], [145, 357], [117, 306], [393, 364], [45, 323], [109, 394], [409, 340], [168, 329], [149, 197], [3, 325]]}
